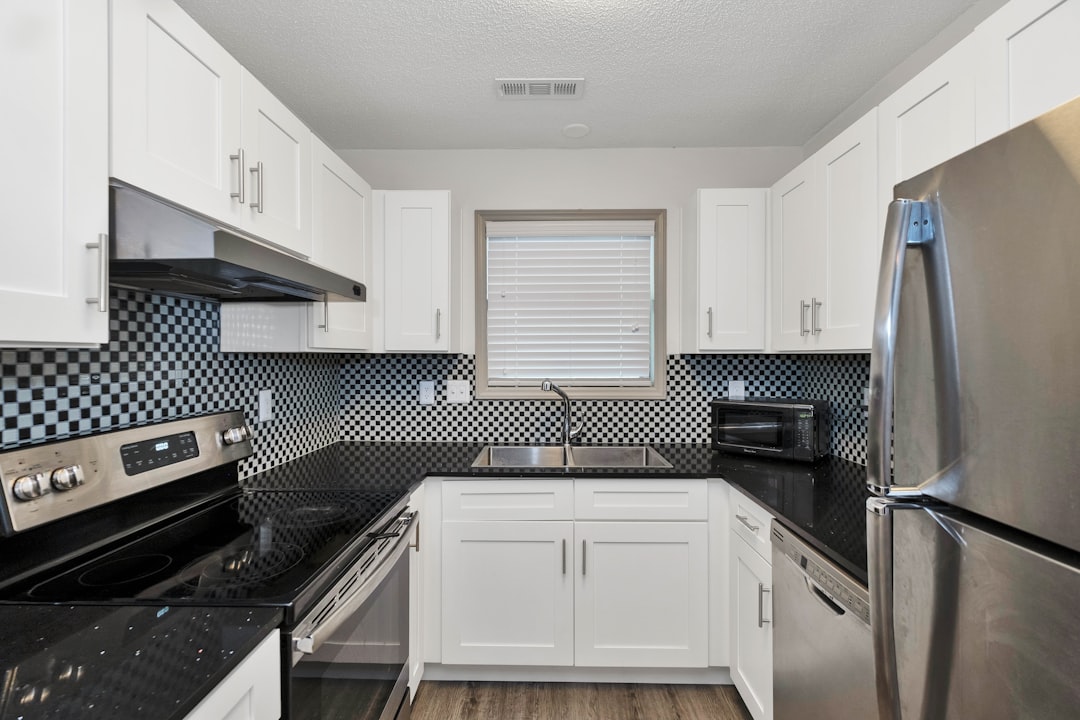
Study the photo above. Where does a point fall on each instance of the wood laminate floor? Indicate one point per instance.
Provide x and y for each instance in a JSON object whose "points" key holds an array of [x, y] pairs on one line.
{"points": [[575, 701]]}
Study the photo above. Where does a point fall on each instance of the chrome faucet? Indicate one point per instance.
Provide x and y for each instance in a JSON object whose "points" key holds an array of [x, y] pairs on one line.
{"points": [[567, 434]]}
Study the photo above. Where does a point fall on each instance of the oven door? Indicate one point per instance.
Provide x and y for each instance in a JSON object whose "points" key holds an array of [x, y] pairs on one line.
{"points": [[350, 655], [752, 429]]}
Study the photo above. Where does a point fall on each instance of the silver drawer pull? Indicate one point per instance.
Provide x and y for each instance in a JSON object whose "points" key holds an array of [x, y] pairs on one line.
{"points": [[761, 590], [746, 521]]}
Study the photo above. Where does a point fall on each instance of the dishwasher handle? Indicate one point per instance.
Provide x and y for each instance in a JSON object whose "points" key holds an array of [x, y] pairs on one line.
{"points": [[820, 595]]}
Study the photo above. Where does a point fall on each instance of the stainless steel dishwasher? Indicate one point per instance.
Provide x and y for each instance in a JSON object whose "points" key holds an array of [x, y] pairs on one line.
{"points": [[823, 659]]}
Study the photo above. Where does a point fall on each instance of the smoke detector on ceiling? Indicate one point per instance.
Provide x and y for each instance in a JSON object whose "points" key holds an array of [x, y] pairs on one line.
{"points": [[540, 88]]}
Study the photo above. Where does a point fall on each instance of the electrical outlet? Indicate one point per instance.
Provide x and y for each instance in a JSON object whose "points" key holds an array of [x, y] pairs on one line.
{"points": [[426, 390], [736, 389], [266, 405], [457, 391], [866, 396]]}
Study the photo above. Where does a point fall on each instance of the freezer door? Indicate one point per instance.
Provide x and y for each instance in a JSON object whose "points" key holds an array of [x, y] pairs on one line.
{"points": [[991, 304], [983, 621]]}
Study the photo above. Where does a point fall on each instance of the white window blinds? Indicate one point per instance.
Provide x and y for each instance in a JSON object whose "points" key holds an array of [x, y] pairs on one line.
{"points": [[572, 301]]}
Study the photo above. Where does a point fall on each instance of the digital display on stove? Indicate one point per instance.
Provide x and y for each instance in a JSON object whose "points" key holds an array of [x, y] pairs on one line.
{"points": [[139, 457]]}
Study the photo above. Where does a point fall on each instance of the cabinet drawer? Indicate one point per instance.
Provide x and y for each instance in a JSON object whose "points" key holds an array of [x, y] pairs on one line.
{"points": [[640, 499], [508, 500], [751, 522]]}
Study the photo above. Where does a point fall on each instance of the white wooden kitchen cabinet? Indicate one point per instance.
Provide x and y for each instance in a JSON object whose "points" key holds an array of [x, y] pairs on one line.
{"points": [[414, 226], [927, 121], [54, 191], [252, 691], [1028, 56], [641, 597], [192, 126], [719, 550], [826, 245], [724, 270], [416, 593], [176, 111], [751, 606]]}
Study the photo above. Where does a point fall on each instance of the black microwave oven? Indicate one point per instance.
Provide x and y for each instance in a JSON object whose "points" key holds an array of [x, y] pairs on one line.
{"points": [[767, 427]]}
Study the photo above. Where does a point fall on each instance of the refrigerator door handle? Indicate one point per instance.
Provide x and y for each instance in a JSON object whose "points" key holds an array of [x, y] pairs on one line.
{"points": [[879, 535], [907, 223]]}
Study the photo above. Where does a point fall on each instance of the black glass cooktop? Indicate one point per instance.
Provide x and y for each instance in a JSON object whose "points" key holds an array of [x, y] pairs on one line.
{"points": [[259, 548]]}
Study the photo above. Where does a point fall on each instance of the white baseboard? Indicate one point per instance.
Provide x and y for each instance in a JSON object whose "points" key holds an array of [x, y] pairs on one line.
{"points": [[673, 676]]}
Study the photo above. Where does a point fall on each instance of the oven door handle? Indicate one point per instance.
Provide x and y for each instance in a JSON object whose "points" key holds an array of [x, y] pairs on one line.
{"points": [[313, 639]]}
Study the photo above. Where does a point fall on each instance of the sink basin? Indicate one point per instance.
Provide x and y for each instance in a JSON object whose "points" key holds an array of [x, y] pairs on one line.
{"points": [[557, 457]]}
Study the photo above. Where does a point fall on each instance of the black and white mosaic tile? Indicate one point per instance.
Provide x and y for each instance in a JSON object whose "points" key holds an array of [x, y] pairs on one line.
{"points": [[379, 401], [162, 362]]}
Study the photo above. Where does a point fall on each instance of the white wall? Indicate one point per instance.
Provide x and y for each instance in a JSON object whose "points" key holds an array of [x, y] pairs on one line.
{"points": [[567, 179]]}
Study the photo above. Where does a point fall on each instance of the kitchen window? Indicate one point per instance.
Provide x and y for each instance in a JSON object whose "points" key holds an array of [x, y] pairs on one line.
{"points": [[574, 296]]}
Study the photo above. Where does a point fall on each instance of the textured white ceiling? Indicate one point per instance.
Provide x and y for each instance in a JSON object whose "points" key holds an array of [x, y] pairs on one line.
{"points": [[393, 74]]}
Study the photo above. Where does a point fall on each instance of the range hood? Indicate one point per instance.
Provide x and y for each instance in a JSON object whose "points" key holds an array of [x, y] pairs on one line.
{"points": [[163, 248]]}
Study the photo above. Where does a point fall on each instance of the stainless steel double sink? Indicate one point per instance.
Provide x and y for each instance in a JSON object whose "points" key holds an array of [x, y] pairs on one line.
{"points": [[570, 457]]}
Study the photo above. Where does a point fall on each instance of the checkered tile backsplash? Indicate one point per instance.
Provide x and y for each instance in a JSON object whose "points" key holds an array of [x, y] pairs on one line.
{"points": [[163, 362], [379, 401]]}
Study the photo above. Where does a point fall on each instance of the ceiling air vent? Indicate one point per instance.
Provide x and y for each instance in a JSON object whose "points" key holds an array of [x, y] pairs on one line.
{"points": [[540, 88]]}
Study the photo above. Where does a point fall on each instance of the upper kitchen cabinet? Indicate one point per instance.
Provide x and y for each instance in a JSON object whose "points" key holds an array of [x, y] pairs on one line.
{"points": [[826, 245], [176, 104], [927, 121], [415, 231], [54, 188], [190, 125], [725, 263], [1028, 60]]}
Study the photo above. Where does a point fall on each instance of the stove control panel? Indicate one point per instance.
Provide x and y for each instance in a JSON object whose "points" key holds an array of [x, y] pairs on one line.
{"points": [[46, 482]]}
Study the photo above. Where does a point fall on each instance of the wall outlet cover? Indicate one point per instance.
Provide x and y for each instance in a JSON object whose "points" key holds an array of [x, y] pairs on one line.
{"points": [[426, 389], [458, 391], [736, 389], [266, 405]]}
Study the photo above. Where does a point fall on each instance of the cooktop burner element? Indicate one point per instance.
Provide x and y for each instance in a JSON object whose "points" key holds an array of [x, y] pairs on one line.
{"points": [[248, 565], [124, 570], [312, 515]]}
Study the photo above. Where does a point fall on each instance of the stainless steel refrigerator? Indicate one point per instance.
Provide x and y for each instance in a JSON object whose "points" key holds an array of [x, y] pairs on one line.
{"points": [[974, 443]]}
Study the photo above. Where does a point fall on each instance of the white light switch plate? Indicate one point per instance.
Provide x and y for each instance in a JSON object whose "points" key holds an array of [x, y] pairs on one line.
{"points": [[266, 405], [458, 391], [427, 392], [736, 390]]}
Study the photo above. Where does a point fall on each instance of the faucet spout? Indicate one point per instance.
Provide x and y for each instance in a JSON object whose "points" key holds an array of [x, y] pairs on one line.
{"points": [[568, 434]]}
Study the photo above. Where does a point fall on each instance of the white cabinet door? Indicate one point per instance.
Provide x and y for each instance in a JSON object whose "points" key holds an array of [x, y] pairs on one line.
{"points": [[341, 241], [416, 594], [252, 691], [842, 301], [730, 269], [642, 594], [278, 160], [175, 117], [54, 188], [416, 286], [1028, 61], [508, 595], [927, 121], [796, 231], [751, 628]]}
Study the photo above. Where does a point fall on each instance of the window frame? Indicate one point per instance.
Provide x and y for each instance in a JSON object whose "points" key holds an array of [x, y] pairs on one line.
{"points": [[658, 389]]}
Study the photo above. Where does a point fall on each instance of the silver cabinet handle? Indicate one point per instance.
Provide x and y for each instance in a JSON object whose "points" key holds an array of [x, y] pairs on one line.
{"points": [[564, 556], [582, 558], [745, 520], [761, 590], [709, 331], [239, 158], [802, 318], [438, 323], [416, 546], [102, 297], [326, 316], [257, 171], [815, 323]]}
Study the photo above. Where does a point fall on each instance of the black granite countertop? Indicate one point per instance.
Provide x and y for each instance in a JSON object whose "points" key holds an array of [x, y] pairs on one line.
{"points": [[83, 662]]}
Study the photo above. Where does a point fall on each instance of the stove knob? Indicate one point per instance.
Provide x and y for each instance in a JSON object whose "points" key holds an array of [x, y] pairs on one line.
{"points": [[236, 434], [69, 477], [30, 487]]}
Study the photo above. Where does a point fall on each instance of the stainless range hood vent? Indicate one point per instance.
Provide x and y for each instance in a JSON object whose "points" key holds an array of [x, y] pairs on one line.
{"points": [[162, 248]]}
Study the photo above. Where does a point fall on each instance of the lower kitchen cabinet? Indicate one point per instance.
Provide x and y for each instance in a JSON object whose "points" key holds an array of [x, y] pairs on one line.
{"points": [[508, 596], [751, 614], [642, 594], [252, 691]]}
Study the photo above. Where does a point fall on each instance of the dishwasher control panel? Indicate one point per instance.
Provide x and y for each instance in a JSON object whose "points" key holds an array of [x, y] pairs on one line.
{"points": [[822, 575]]}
